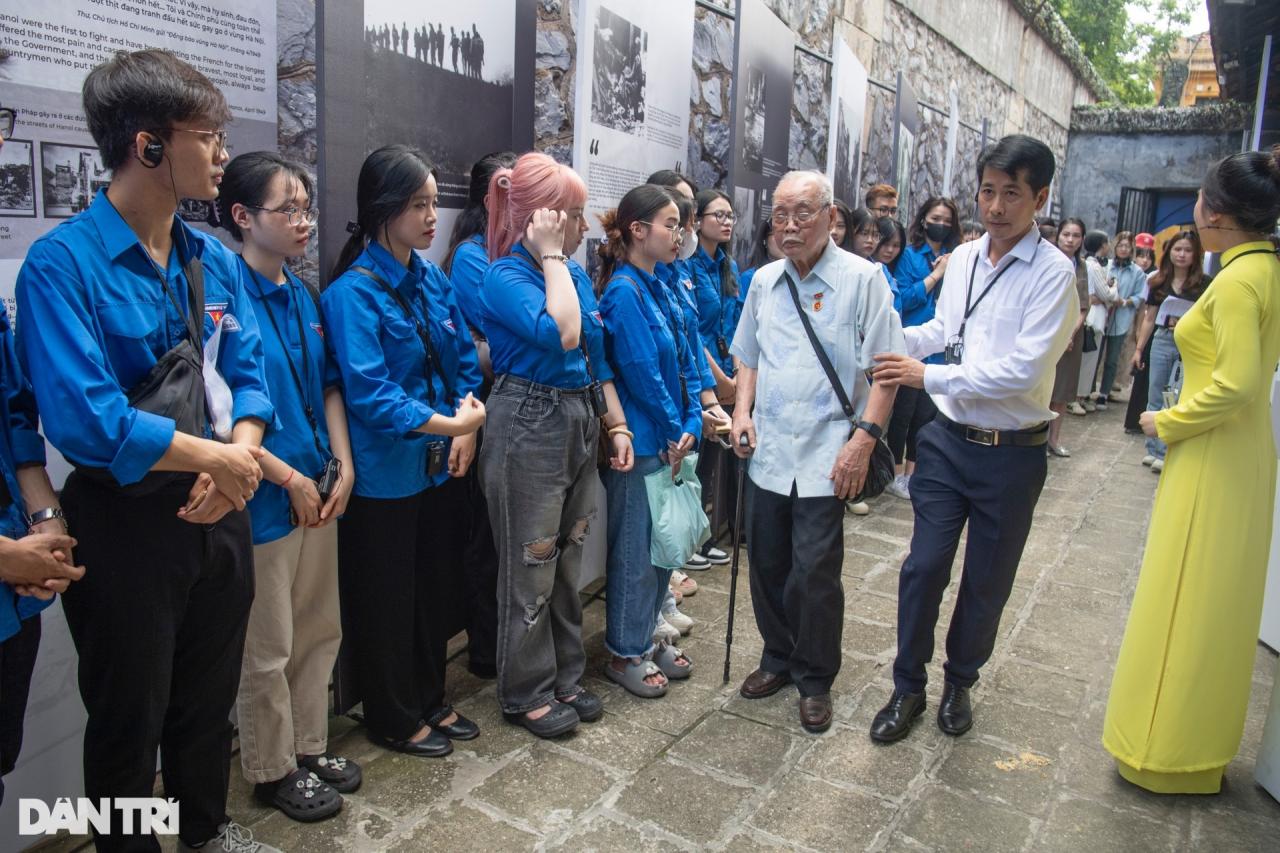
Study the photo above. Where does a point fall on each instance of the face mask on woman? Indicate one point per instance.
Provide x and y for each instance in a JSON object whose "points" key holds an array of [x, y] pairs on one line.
{"points": [[690, 244], [936, 231]]}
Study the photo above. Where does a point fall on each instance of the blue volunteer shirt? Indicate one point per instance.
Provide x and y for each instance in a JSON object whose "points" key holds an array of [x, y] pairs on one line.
{"points": [[466, 274], [679, 281], [917, 304], [648, 360], [382, 363], [290, 309], [523, 339], [20, 444], [744, 285], [717, 313], [95, 320]]}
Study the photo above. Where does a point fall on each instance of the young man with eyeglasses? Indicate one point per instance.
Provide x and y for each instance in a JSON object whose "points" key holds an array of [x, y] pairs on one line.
{"points": [[882, 200], [808, 454], [109, 301], [1007, 310]]}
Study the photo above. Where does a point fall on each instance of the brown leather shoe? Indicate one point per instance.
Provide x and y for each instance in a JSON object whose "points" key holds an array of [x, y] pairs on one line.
{"points": [[760, 684], [815, 713]]}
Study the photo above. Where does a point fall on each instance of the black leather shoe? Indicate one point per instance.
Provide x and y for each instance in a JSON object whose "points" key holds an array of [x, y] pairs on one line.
{"points": [[459, 729], [894, 720], [955, 715], [434, 745]]}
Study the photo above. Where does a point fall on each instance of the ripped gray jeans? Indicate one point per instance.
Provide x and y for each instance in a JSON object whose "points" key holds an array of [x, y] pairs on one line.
{"points": [[538, 469]]}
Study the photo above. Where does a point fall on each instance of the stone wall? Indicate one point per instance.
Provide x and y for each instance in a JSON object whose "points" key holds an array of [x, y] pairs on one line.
{"points": [[1158, 149]]}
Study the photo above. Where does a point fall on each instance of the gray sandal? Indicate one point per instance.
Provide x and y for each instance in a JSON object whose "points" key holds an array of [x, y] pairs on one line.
{"points": [[632, 678], [666, 656]]}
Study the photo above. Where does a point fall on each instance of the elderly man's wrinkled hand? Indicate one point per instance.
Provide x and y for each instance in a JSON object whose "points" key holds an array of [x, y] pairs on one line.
{"points": [[850, 470]]}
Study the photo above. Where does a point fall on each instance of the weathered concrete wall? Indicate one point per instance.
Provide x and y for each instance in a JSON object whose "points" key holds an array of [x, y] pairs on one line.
{"points": [[1144, 149]]}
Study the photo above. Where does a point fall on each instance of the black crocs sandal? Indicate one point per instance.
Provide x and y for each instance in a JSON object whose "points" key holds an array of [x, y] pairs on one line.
{"points": [[341, 774], [301, 796]]}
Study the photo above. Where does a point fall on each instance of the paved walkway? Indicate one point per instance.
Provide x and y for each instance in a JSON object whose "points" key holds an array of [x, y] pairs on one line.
{"points": [[706, 769]]}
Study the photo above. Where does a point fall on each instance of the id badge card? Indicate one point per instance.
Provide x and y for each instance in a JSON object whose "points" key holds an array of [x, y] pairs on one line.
{"points": [[954, 352]]}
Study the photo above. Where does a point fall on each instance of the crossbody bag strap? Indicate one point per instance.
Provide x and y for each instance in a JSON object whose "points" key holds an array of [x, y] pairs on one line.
{"points": [[307, 409], [434, 364], [827, 367]]}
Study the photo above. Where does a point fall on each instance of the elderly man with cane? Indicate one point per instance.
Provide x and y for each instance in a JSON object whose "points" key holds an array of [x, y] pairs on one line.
{"points": [[807, 455]]}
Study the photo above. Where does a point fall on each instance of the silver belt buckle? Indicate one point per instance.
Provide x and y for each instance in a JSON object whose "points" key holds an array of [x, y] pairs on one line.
{"points": [[987, 437]]}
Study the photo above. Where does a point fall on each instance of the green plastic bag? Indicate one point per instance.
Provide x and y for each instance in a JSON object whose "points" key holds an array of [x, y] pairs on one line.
{"points": [[680, 525]]}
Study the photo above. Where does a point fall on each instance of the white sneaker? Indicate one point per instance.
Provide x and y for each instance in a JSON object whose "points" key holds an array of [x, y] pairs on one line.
{"points": [[1076, 409], [859, 508], [665, 632], [898, 488], [697, 563], [1148, 460], [232, 838], [1157, 466], [715, 556], [1090, 406], [680, 621]]}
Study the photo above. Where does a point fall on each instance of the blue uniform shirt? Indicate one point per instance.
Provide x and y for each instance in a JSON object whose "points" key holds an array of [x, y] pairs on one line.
{"points": [[95, 320], [20, 444], [918, 305], [679, 281], [717, 313], [382, 363], [523, 339], [466, 274], [744, 284], [648, 360], [294, 313]]}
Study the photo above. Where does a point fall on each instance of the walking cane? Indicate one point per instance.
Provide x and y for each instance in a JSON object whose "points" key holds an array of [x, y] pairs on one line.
{"points": [[737, 542]]}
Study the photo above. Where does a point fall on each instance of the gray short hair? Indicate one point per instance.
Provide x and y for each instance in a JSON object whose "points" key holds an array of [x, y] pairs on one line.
{"points": [[826, 193]]}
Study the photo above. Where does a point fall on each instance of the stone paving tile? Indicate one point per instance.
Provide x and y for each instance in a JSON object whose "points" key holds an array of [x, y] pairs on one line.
{"points": [[617, 742], [543, 787], [663, 791], [606, 834], [742, 748], [1232, 834], [1077, 825], [965, 823], [1020, 779], [846, 756], [818, 815], [464, 828]]}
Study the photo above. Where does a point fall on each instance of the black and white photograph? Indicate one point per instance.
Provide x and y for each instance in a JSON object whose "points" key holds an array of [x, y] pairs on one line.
{"points": [[17, 184], [746, 204], [842, 177], [619, 82], [440, 76], [902, 169], [70, 176], [848, 116], [754, 121]]}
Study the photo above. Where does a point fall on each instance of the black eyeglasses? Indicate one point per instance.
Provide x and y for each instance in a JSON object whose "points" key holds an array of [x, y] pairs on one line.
{"points": [[296, 215], [8, 118], [724, 217]]}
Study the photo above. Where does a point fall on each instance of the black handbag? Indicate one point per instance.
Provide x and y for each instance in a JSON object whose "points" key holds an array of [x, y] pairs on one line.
{"points": [[880, 466], [1090, 343], [173, 388]]}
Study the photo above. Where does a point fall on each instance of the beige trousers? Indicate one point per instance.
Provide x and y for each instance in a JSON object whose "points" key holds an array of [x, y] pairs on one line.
{"points": [[289, 650]]}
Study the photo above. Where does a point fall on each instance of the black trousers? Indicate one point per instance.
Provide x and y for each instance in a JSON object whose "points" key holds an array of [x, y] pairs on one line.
{"points": [[912, 409], [480, 562], [796, 548], [1139, 390], [400, 578], [995, 490], [158, 622], [17, 662]]}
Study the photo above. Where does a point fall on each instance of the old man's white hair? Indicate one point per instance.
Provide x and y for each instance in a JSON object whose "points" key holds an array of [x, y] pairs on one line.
{"points": [[826, 193]]}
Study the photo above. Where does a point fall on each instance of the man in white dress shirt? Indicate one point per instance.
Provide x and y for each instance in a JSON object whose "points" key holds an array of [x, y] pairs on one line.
{"points": [[1007, 310], [808, 455]]}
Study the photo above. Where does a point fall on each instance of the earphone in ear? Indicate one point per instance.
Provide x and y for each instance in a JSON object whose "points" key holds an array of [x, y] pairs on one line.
{"points": [[153, 153]]}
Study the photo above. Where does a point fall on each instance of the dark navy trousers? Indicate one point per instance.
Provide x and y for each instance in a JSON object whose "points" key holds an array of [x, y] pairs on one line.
{"points": [[995, 490]]}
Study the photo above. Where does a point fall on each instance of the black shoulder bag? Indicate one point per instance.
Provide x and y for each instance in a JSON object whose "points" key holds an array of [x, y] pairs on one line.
{"points": [[880, 465]]}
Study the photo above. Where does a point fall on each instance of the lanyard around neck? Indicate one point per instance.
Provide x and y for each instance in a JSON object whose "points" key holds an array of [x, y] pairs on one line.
{"points": [[991, 282]]}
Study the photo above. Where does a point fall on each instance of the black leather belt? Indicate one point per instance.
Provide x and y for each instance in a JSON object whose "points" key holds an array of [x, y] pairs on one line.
{"points": [[1030, 437]]}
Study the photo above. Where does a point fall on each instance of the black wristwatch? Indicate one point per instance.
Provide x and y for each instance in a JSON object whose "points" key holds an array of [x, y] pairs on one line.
{"points": [[871, 429]]}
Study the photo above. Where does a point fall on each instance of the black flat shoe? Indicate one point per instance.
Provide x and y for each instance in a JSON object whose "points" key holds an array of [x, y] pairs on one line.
{"points": [[894, 720], [587, 704], [955, 715], [434, 745], [459, 729], [561, 719]]}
